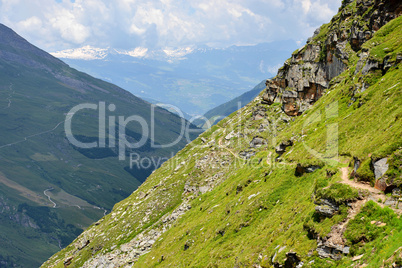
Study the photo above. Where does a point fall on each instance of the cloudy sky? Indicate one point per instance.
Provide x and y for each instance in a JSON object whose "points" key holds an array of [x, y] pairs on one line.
{"points": [[62, 24]]}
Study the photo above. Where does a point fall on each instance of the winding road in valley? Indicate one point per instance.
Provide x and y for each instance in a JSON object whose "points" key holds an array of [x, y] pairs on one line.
{"points": [[48, 196], [104, 210]]}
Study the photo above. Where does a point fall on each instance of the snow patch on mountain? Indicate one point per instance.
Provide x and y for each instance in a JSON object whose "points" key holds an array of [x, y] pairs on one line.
{"points": [[93, 53], [179, 52], [138, 52], [83, 53]]}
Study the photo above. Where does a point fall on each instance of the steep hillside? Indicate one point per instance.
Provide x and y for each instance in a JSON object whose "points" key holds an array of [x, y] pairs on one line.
{"points": [[268, 188], [51, 188], [218, 113]]}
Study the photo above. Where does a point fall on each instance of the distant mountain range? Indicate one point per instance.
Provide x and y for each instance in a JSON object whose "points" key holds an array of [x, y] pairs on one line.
{"points": [[195, 79], [52, 187]]}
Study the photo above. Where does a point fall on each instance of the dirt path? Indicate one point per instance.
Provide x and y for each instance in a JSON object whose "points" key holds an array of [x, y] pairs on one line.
{"points": [[336, 236], [359, 185], [374, 194]]}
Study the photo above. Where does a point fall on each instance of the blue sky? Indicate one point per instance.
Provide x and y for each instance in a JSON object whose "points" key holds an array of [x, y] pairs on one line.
{"points": [[62, 24]]}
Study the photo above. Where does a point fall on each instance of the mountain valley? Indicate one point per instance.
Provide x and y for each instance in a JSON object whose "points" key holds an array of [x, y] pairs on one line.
{"points": [[51, 187], [194, 79]]}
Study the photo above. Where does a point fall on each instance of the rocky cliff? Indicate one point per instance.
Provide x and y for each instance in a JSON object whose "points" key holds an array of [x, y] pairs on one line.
{"points": [[306, 75], [267, 188]]}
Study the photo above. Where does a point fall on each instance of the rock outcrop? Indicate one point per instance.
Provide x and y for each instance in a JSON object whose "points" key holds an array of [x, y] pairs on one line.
{"points": [[281, 148], [326, 208], [306, 75]]}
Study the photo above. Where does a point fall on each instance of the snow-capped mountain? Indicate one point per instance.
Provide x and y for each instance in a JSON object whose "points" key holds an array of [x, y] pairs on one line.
{"points": [[94, 53], [195, 79], [82, 53]]}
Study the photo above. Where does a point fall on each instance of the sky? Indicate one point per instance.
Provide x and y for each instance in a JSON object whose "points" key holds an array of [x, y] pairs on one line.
{"points": [[55, 25]]}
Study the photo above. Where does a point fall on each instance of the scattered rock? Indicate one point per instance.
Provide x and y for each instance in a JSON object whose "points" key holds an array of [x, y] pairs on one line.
{"points": [[230, 136], [300, 169], [253, 195], [326, 208], [396, 192], [67, 261], [246, 154], [262, 127], [99, 221], [259, 113], [257, 142], [281, 148], [333, 245], [285, 118], [370, 65], [380, 167], [333, 251], [84, 244], [356, 258], [292, 260], [204, 189], [325, 211], [312, 168], [141, 195], [239, 188], [187, 245], [382, 185], [356, 164], [378, 223], [189, 188]]}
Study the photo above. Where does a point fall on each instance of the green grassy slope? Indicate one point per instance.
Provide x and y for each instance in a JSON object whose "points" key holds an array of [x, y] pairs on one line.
{"points": [[36, 92], [229, 199]]}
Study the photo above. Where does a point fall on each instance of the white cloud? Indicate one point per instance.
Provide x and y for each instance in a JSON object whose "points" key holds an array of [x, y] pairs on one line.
{"points": [[127, 24], [33, 23], [66, 23], [135, 30], [306, 4]]}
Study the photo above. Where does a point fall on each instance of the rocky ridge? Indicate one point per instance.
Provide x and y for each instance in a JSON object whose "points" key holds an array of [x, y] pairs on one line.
{"points": [[305, 77]]}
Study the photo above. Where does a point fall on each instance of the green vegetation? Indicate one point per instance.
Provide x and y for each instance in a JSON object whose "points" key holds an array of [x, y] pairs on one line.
{"points": [[362, 229], [370, 229], [394, 172], [36, 93], [223, 201], [386, 43], [339, 193]]}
